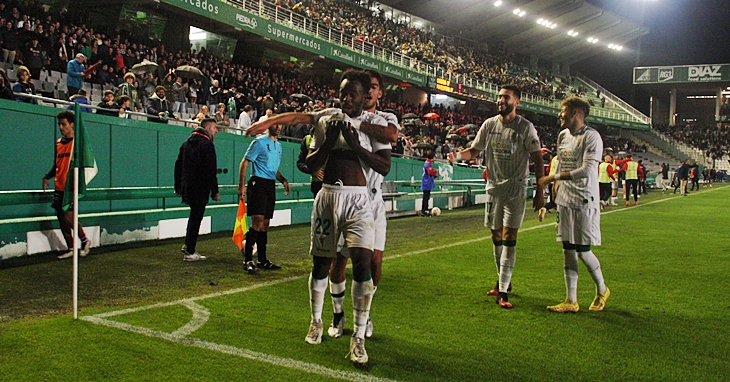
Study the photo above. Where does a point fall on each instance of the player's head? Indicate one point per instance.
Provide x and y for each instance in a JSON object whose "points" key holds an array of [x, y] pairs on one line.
{"points": [[573, 111], [274, 130], [375, 91], [508, 100], [210, 125], [608, 159], [354, 86], [66, 120]]}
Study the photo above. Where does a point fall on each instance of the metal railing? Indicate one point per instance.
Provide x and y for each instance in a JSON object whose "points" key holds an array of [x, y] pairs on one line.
{"points": [[618, 101], [301, 23]]}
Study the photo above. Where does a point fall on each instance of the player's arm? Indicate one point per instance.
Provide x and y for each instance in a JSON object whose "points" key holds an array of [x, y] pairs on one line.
{"points": [[318, 156], [463, 155], [384, 134], [622, 168], [538, 200], [378, 161], [281, 119]]}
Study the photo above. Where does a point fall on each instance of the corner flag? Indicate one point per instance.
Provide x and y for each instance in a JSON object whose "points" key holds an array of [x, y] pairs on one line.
{"points": [[82, 157], [241, 227]]}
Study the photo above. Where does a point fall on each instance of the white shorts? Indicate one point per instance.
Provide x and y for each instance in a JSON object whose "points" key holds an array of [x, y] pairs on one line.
{"points": [[381, 225], [614, 184], [579, 226], [339, 210], [504, 211]]}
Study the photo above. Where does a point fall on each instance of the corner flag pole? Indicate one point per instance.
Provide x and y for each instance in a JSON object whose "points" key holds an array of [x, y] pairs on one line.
{"points": [[76, 245]]}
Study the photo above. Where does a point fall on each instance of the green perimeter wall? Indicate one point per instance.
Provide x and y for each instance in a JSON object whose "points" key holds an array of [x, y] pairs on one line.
{"points": [[132, 153]]}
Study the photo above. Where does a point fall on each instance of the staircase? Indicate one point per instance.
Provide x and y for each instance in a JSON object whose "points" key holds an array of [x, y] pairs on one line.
{"points": [[661, 144]]}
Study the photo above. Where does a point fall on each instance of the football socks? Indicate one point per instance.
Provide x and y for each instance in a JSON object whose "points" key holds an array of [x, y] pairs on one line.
{"points": [[362, 297], [571, 275], [594, 268], [497, 253], [338, 295], [507, 264], [317, 289]]}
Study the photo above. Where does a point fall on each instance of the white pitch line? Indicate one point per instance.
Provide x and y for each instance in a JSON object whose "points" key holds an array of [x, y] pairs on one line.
{"points": [[243, 353], [200, 317]]}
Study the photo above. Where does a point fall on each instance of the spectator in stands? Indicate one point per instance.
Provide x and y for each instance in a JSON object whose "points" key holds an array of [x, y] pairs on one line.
{"points": [[220, 116], [203, 114], [24, 85], [80, 98], [268, 103], [268, 113], [5, 90], [180, 90], [128, 89], [10, 42], [244, 120], [284, 107], [214, 96], [33, 58], [107, 106], [125, 106], [159, 108], [75, 74]]}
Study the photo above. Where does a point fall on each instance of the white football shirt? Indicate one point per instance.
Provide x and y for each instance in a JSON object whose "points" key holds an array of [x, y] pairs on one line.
{"points": [[579, 154], [507, 151]]}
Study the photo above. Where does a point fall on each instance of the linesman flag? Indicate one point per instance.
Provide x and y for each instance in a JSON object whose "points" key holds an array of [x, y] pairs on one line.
{"points": [[83, 158], [241, 227]]}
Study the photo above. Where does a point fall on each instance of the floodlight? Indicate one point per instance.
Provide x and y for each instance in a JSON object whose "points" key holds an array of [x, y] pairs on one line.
{"points": [[516, 11], [497, 3], [522, 13]]}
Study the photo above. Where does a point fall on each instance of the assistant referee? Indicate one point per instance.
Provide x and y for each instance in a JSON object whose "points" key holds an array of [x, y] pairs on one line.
{"points": [[264, 154]]}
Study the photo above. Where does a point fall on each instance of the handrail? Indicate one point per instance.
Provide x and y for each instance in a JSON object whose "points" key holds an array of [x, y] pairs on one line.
{"points": [[618, 101]]}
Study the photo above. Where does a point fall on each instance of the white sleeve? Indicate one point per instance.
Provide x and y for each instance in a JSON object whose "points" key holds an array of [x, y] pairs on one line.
{"points": [[377, 120], [391, 119], [317, 115], [532, 141], [480, 141], [591, 156]]}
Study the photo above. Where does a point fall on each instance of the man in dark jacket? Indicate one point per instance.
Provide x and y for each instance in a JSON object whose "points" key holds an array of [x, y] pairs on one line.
{"points": [[683, 177], [195, 180], [159, 107]]}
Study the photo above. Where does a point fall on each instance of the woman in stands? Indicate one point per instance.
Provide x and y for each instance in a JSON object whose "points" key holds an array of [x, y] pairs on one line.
{"points": [[24, 85]]}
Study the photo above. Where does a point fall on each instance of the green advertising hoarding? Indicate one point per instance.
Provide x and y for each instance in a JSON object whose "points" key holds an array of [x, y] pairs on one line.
{"points": [[239, 18], [686, 74]]}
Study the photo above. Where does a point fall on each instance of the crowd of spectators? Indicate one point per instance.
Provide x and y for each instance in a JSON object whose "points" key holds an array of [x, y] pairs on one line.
{"points": [[713, 140]]}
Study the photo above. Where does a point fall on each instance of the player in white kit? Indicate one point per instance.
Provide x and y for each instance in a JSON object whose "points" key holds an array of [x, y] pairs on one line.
{"points": [[509, 141], [375, 181], [343, 206], [579, 219]]}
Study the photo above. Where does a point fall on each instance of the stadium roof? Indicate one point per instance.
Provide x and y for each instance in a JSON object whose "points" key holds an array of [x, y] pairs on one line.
{"points": [[485, 22]]}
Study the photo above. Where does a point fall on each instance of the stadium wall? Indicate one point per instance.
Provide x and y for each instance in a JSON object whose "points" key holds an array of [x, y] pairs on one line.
{"points": [[133, 155]]}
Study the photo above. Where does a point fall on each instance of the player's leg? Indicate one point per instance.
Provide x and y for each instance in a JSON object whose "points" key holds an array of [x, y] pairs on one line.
{"points": [[513, 213], [594, 269], [317, 289], [497, 251], [494, 223], [337, 292], [362, 293], [381, 225], [565, 235]]}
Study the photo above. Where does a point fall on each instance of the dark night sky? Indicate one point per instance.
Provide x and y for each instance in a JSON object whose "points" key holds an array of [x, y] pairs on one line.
{"points": [[681, 32]]}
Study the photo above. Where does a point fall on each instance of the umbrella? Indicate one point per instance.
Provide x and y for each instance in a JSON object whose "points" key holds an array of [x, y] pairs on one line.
{"points": [[190, 72], [461, 130], [144, 67], [431, 116], [453, 136], [423, 145], [471, 126], [410, 116], [300, 97]]}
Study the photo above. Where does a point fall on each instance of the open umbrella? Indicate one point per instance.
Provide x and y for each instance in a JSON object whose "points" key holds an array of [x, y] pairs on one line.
{"points": [[410, 116], [453, 136], [189, 72], [143, 67], [431, 116], [423, 145], [461, 130], [301, 98], [471, 126]]}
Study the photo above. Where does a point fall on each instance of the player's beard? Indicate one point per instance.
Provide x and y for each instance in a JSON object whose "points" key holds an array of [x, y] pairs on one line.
{"points": [[507, 110]]}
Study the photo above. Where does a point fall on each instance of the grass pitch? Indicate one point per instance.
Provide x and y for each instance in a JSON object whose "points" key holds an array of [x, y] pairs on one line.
{"points": [[665, 261]]}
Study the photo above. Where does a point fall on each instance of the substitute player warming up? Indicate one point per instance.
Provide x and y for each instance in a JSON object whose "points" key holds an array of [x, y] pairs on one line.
{"points": [[579, 219]]}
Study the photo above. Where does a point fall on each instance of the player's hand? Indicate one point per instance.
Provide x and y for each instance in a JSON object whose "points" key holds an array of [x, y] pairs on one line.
{"points": [[538, 200], [351, 136], [319, 174], [217, 197], [332, 134], [450, 157], [287, 188], [242, 191], [45, 184]]}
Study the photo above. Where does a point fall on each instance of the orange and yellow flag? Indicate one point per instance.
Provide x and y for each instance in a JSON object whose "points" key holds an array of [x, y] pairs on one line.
{"points": [[241, 227]]}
